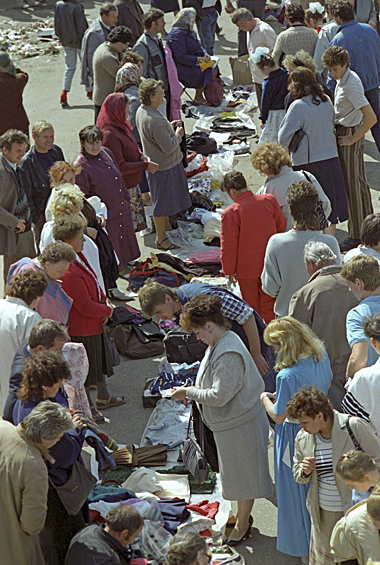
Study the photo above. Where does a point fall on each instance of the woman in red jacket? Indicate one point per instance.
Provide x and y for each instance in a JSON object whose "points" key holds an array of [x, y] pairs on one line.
{"points": [[118, 137], [90, 310]]}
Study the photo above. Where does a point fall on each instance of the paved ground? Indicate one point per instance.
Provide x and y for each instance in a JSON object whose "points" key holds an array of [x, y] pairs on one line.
{"points": [[41, 100]]}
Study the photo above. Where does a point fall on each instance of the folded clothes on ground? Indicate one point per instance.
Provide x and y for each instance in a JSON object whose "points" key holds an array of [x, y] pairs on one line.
{"points": [[185, 376], [151, 456], [111, 493], [174, 513], [195, 488]]}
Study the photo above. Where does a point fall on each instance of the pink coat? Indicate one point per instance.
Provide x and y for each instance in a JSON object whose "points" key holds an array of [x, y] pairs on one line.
{"points": [[175, 87]]}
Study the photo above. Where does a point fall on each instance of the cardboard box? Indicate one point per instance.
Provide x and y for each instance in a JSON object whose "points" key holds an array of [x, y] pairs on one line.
{"points": [[241, 73]]}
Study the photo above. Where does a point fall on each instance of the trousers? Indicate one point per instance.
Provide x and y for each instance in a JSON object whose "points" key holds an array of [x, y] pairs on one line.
{"points": [[206, 29], [71, 54], [252, 293]]}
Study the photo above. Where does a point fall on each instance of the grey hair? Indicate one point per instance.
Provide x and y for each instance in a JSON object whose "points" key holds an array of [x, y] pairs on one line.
{"points": [[124, 517], [241, 15], [319, 253], [184, 548], [48, 420]]}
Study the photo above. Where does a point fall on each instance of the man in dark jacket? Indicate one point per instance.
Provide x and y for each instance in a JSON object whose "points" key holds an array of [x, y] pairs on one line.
{"points": [[130, 15], [34, 172], [70, 24], [107, 545]]}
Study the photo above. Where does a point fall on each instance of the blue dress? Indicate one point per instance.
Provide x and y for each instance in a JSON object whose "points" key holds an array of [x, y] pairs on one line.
{"points": [[293, 520]]}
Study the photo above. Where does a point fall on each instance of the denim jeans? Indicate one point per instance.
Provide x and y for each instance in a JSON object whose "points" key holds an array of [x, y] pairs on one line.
{"points": [[373, 98], [71, 54], [206, 30]]}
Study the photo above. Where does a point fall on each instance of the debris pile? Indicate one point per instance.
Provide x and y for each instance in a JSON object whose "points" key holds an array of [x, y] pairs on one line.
{"points": [[29, 40]]}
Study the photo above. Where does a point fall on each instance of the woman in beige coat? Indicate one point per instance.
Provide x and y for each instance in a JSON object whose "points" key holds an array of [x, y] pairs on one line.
{"points": [[324, 436], [24, 480]]}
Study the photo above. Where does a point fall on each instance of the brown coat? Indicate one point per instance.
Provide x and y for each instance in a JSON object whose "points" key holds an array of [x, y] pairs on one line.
{"points": [[8, 201], [323, 304], [23, 497], [12, 114], [130, 15]]}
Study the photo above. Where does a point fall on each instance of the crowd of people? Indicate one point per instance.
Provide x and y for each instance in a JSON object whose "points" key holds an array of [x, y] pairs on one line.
{"points": [[299, 351]]}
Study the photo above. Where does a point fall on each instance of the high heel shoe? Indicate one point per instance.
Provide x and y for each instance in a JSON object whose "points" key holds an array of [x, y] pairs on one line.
{"points": [[233, 542], [232, 524]]}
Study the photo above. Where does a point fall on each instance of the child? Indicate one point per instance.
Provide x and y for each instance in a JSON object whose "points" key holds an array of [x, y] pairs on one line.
{"points": [[359, 472], [246, 228], [273, 97], [314, 16]]}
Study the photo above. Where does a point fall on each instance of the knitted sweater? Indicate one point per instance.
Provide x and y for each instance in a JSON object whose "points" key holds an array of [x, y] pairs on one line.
{"points": [[294, 39], [158, 138], [284, 269], [227, 402]]}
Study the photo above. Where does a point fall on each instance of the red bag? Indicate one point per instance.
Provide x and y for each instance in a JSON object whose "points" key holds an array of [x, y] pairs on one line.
{"points": [[214, 92]]}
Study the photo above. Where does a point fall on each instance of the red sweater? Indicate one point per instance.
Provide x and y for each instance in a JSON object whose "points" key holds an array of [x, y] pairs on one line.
{"points": [[87, 311], [246, 228]]}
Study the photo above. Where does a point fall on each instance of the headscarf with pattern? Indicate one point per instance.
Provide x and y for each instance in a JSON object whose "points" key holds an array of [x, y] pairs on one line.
{"points": [[128, 75]]}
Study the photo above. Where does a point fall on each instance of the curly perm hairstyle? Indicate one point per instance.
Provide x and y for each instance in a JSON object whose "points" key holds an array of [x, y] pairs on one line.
{"points": [[67, 228], [270, 157], [309, 402], [302, 82], [58, 171], [28, 286], [295, 13], [201, 309], [342, 9], [148, 89], [56, 252], [42, 369], [302, 199]]}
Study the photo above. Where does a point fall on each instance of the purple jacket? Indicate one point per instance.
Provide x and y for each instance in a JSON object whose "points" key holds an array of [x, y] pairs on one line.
{"points": [[100, 176]]}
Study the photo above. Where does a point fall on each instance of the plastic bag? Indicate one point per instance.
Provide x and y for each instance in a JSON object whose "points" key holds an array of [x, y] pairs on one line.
{"points": [[154, 541], [219, 164]]}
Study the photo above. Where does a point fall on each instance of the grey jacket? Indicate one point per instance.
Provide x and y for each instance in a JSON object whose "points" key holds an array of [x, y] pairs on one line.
{"points": [[8, 200], [95, 35], [304, 446], [130, 15], [70, 23], [227, 402], [105, 66], [147, 46], [158, 138]]}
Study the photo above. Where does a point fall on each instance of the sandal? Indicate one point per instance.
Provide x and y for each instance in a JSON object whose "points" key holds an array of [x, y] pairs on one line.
{"points": [[112, 401], [159, 245], [97, 416]]}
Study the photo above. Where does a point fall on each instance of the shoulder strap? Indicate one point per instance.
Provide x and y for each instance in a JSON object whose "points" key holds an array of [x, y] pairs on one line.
{"points": [[352, 435]]}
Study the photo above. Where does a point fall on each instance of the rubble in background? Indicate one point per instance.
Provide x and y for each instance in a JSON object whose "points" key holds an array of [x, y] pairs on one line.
{"points": [[31, 40]]}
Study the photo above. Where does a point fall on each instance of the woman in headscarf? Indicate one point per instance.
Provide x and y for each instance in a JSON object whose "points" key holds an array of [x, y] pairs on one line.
{"points": [[187, 53], [12, 84], [131, 161]]}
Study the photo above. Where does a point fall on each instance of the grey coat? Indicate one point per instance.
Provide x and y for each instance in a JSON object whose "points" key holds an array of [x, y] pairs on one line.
{"points": [[70, 23], [304, 446], [147, 46], [95, 35], [8, 200], [132, 18]]}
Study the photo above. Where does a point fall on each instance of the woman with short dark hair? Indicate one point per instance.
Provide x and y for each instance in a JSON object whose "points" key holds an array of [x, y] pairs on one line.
{"points": [[325, 435], [100, 176], [227, 392]]}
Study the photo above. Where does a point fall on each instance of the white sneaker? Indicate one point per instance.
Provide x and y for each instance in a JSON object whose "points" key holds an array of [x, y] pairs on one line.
{"points": [[120, 295]]}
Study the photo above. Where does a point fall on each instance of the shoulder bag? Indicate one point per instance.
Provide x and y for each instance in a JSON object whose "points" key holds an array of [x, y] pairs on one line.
{"points": [[193, 456], [74, 493]]}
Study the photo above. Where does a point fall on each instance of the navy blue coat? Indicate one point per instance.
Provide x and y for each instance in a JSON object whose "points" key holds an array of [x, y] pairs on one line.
{"points": [[274, 92], [185, 50]]}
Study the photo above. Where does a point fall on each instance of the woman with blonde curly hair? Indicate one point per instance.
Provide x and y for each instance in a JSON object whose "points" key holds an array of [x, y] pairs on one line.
{"points": [[273, 161], [302, 361]]}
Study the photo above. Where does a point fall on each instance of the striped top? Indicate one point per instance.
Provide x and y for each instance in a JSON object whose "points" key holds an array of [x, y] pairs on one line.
{"points": [[329, 498], [352, 407]]}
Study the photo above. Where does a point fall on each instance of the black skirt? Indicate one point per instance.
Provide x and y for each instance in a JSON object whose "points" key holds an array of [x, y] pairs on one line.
{"points": [[99, 357]]}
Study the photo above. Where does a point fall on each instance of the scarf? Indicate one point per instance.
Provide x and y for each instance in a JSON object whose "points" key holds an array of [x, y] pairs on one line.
{"points": [[128, 75], [113, 113]]}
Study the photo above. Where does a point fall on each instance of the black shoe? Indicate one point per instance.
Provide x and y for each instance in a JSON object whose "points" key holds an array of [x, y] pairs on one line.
{"points": [[232, 524], [348, 244], [233, 542]]}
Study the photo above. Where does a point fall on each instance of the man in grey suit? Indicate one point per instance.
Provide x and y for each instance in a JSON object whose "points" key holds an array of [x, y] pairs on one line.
{"points": [[95, 35]]}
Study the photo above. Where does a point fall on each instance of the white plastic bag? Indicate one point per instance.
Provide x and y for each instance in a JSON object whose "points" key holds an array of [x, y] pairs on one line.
{"points": [[220, 164], [154, 541]]}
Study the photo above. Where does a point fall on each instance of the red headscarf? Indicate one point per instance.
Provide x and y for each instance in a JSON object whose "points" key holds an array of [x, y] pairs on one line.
{"points": [[112, 113]]}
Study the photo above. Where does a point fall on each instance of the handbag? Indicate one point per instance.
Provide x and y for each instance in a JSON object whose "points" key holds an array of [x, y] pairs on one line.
{"points": [[74, 493], [193, 456], [296, 140]]}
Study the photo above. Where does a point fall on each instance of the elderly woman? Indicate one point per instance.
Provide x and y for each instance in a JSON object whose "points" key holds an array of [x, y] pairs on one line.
{"points": [[12, 84], [131, 162], [230, 407], [325, 435], [17, 318], [100, 176], [301, 361], [90, 310], [54, 261], [42, 379], [312, 116], [273, 161], [23, 502], [187, 548], [161, 142], [297, 37], [187, 53]]}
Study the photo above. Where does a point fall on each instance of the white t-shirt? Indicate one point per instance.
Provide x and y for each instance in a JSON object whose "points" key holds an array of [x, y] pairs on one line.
{"points": [[348, 99]]}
